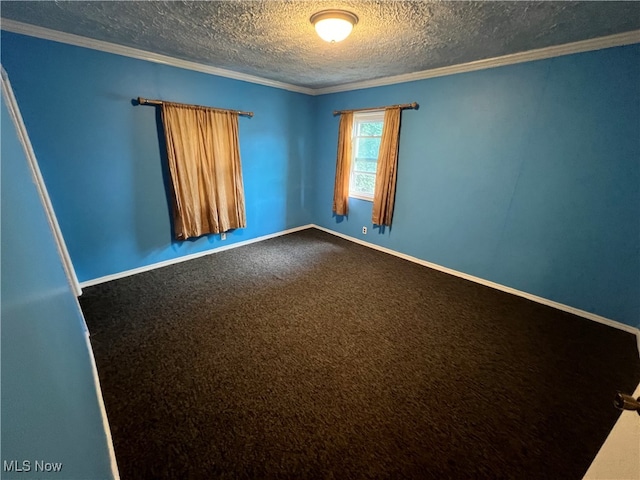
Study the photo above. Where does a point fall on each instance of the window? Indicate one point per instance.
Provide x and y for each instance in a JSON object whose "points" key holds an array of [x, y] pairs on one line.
{"points": [[367, 132]]}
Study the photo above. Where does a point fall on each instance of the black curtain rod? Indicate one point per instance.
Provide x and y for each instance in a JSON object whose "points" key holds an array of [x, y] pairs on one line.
{"points": [[402, 106], [146, 101]]}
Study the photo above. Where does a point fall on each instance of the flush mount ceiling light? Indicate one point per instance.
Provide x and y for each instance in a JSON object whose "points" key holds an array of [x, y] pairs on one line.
{"points": [[334, 25]]}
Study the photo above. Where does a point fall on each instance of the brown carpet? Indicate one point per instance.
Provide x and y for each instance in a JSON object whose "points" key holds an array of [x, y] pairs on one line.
{"points": [[307, 356]]}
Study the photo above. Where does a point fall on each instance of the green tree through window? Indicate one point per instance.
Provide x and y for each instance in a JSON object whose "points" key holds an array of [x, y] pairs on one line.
{"points": [[367, 132]]}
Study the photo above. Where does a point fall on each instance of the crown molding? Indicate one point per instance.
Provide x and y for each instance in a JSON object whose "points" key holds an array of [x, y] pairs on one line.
{"points": [[79, 41], [617, 40]]}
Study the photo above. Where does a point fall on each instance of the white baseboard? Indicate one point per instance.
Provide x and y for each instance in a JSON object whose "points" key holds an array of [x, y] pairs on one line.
{"points": [[544, 301], [497, 286], [165, 263]]}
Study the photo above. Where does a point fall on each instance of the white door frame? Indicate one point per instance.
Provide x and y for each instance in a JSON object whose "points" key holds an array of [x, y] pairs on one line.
{"points": [[16, 116]]}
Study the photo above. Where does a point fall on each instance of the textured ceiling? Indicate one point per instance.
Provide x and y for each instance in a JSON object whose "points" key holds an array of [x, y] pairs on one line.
{"points": [[275, 40]]}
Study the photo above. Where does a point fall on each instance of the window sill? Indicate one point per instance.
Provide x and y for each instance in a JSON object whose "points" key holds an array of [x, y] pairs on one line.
{"points": [[361, 197]]}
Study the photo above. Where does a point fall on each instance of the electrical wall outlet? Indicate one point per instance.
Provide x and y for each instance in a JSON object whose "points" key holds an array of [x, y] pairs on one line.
{"points": [[223, 236], [364, 230]]}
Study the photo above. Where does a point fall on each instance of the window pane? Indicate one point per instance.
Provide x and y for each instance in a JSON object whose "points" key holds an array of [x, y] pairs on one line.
{"points": [[368, 148], [371, 128], [363, 183], [366, 144], [365, 165]]}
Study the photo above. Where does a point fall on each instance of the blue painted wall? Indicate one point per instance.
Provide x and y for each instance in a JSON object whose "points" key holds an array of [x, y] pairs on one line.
{"points": [[526, 175], [50, 409], [101, 156]]}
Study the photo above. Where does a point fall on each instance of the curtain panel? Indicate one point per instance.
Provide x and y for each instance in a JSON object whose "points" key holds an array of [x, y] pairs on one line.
{"points": [[385, 189], [343, 165], [204, 161]]}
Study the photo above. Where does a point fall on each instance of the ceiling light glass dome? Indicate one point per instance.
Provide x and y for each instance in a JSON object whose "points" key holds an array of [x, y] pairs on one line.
{"points": [[334, 25]]}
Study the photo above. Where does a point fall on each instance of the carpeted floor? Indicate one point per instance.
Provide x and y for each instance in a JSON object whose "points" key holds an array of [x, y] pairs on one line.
{"points": [[307, 356]]}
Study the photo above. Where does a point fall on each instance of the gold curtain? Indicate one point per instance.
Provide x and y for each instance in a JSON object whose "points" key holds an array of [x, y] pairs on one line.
{"points": [[343, 165], [385, 190], [204, 161]]}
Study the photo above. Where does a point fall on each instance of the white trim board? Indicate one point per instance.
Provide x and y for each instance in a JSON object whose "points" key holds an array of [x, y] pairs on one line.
{"points": [[36, 174], [65, 259], [617, 40], [79, 41], [424, 263], [103, 411], [172, 261], [497, 286]]}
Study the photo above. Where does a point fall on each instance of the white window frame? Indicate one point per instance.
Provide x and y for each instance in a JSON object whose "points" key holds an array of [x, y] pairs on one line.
{"points": [[362, 117]]}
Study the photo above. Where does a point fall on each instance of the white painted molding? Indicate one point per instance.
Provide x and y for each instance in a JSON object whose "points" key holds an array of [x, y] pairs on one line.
{"points": [[25, 141], [440, 268], [103, 411], [487, 283], [165, 263], [16, 117], [618, 40], [79, 41]]}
